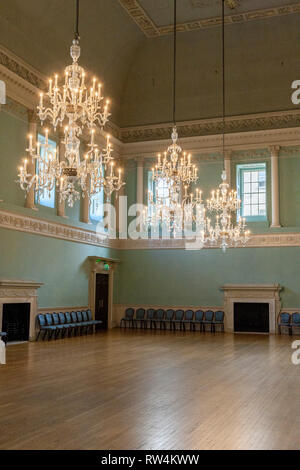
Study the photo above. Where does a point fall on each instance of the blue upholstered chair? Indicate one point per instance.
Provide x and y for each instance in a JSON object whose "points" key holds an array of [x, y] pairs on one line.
{"points": [[59, 328], [90, 318], [77, 327], [188, 318], [178, 319], [149, 317], [63, 321], [218, 320], [72, 325], [208, 319], [83, 324], [158, 318], [129, 313], [168, 318], [139, 317], [44, 326], [3, 336], [284, 321], [89, 323], [295, 321], [198, 320]]}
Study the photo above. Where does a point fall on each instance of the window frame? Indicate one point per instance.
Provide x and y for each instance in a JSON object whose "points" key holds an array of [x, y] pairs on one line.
{"points": [[37, 195], [240, 171]]}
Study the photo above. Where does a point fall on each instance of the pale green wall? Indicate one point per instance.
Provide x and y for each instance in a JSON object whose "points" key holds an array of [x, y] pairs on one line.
{"points": [[191, 278], [61, 265]]}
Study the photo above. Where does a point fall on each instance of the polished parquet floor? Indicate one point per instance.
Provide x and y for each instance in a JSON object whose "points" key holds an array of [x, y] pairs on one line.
{"points": [[151, 390]]}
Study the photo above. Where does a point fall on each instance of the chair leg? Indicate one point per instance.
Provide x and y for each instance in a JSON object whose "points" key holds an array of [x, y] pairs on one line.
{"points": [[38, 335]]}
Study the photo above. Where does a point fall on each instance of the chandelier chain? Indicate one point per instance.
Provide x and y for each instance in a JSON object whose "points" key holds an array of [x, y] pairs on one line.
{"points": [[174, 61], [76, 35]]}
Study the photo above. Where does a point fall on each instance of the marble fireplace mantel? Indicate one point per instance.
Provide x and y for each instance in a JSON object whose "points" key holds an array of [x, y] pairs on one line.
{"points": [[261, 293], [20, 291]]}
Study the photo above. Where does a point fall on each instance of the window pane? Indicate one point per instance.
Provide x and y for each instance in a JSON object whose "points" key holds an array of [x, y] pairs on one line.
{"points": [[262, 198], [254, 210], [254, 198], [247, 199], [96, 206], [46, 198], [247, 176], [254, 176], [247, 188]]}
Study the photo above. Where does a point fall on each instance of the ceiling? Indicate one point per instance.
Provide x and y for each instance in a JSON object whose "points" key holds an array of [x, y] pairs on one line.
{"points": [[155, 17], [126, 44]]}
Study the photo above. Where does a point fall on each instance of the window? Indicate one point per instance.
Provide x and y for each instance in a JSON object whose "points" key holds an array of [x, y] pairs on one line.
{"points": [[251, 183], [45, 198], [96, 207], [160, 189]]}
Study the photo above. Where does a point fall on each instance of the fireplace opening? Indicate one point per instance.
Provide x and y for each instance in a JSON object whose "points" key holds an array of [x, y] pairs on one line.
{"points": [[15, 321], [251, 317]]}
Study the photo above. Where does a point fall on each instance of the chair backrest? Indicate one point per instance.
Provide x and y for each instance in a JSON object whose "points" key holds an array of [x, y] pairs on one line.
{"points": [[189, 314], [55, 318], [296, 318], [169, 314], [284, 317], [129, 312], [42, 320], [219, 316], [74, 317], [199, 315], [160, 313], [140, 314], [68, 317], [49, 319], [62, 318], [89, 314], [209, 315], [85, 316], [179, 315], [150, 313], [79, 316]]}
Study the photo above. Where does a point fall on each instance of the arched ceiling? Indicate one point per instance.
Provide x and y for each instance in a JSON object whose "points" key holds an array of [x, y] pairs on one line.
{"points": [[127, 45]]}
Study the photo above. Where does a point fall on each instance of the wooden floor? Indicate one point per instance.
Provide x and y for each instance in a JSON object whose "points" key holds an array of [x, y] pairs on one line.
{"points": [[147, 390]]}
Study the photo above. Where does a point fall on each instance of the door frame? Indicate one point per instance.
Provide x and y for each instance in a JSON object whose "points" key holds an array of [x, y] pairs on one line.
{"points": [[98, 264]]}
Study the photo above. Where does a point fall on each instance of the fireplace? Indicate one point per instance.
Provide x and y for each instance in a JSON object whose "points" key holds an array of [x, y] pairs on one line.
{"points": [[252, 294], [251, 317], [15, 321], [17, 293]]}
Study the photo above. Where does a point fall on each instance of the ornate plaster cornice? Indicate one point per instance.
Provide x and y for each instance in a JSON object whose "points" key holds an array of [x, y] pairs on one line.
{"points": [[150, 29], [34, 225], [42, 227], [213, 126]]}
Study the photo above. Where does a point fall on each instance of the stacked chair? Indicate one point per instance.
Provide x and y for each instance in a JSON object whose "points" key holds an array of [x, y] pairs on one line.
{"points": [[285, 320], [68, 323], [173, 319]]}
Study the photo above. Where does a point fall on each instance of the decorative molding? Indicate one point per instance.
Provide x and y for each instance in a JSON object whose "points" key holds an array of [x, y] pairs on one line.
{"points": [[42, 227], [213, 126], [46, 228], [209, 147], [62, 309], [150, 29]]}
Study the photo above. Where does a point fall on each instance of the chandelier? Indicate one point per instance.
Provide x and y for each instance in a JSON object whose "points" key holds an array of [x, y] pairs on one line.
{"points": [[175, 165], [224, 202], [78, 108], [175, 214]]}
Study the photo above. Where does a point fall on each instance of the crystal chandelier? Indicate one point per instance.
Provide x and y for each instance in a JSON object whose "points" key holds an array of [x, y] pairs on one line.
{"points": [[175, 165], [173, 213], [78, 108], [224, 202]]}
